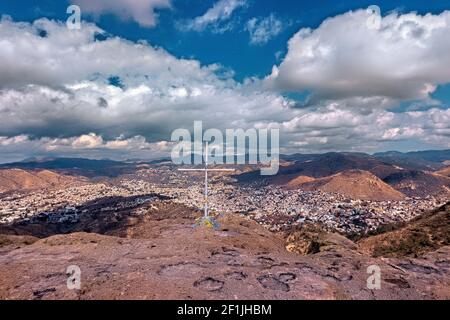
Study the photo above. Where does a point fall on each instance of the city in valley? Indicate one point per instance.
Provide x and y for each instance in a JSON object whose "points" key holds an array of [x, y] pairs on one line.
{"points": [[274, 207]]}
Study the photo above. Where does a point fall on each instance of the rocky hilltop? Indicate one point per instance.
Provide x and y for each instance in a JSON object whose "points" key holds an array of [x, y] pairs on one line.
{"points": [[423, 234], [157, 254]]}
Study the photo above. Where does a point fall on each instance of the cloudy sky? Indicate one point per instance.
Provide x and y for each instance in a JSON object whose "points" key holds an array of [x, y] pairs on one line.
{"points": [[331, 75]]}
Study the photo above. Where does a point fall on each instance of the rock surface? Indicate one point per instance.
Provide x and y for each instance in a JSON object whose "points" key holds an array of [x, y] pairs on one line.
{"points": [[162, 257]]}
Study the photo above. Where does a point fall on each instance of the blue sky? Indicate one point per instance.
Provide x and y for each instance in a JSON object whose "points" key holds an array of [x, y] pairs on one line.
{"points": [[231, 49], [334, 89]]}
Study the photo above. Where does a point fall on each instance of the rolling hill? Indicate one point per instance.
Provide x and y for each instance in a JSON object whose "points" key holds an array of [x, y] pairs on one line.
{"points": [[419, 183], [76, 166], [355, 184], [418, 160], [401, 175], [298, 181], [424, 234], [444, 172], [19, 179], [320, 166]]}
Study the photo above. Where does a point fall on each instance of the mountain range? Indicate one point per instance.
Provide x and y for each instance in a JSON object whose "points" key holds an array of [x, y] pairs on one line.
{"points": [[359, 175], [381, 176]]}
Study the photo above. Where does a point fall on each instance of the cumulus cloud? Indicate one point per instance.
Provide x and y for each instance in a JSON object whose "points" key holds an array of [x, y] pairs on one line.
{"points": [[333, 128], [154, 113], [214, 18], [87, 141], [65, 56], [263, 29], [345, 57], [90, 146], [65, 92], [141, 11], [60, 87]]}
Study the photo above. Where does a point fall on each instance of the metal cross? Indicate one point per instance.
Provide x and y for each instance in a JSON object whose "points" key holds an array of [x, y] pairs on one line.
{"points": [[206, 170]]}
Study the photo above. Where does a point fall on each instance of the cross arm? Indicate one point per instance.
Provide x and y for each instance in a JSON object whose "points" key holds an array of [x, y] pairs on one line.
{"points": [[212, 170]]}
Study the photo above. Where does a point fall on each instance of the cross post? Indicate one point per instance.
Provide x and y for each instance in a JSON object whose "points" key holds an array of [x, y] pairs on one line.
{"points": [[206, 217]]}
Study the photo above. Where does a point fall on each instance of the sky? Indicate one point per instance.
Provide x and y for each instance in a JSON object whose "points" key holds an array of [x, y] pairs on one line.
{"points": [[354, 76]]}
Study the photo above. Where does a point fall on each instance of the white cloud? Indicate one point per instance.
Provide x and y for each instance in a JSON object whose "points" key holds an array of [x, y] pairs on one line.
{"points": [[87, 141], [262, 30], [7, 141], [214, 17], [66, 56], [59, 88], [404, 59], [141, 11], [90, 146], [55, 99], [348, 129]]}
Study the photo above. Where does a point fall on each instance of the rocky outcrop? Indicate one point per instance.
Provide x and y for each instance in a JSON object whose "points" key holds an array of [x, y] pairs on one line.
{"points": [[310, 240], [424, 234], [162, 256]]}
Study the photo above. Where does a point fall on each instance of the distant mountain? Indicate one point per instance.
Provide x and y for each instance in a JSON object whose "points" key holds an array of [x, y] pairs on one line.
{"points": [[319, 166], [296, 157], [160, 161], [420, 160], [355, 184], [62, 163], [419, 183], [76, 166], [19, 179], [400, 173]]}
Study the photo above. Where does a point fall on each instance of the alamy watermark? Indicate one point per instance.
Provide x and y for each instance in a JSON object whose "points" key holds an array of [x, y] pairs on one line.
{"points": [[73, 277], [73, 22], [374, 19], [236, 146], [374, 280]]}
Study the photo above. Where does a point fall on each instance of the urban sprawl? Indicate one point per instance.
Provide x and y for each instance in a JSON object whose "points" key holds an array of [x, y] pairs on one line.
{"points": [[274, 207]]}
